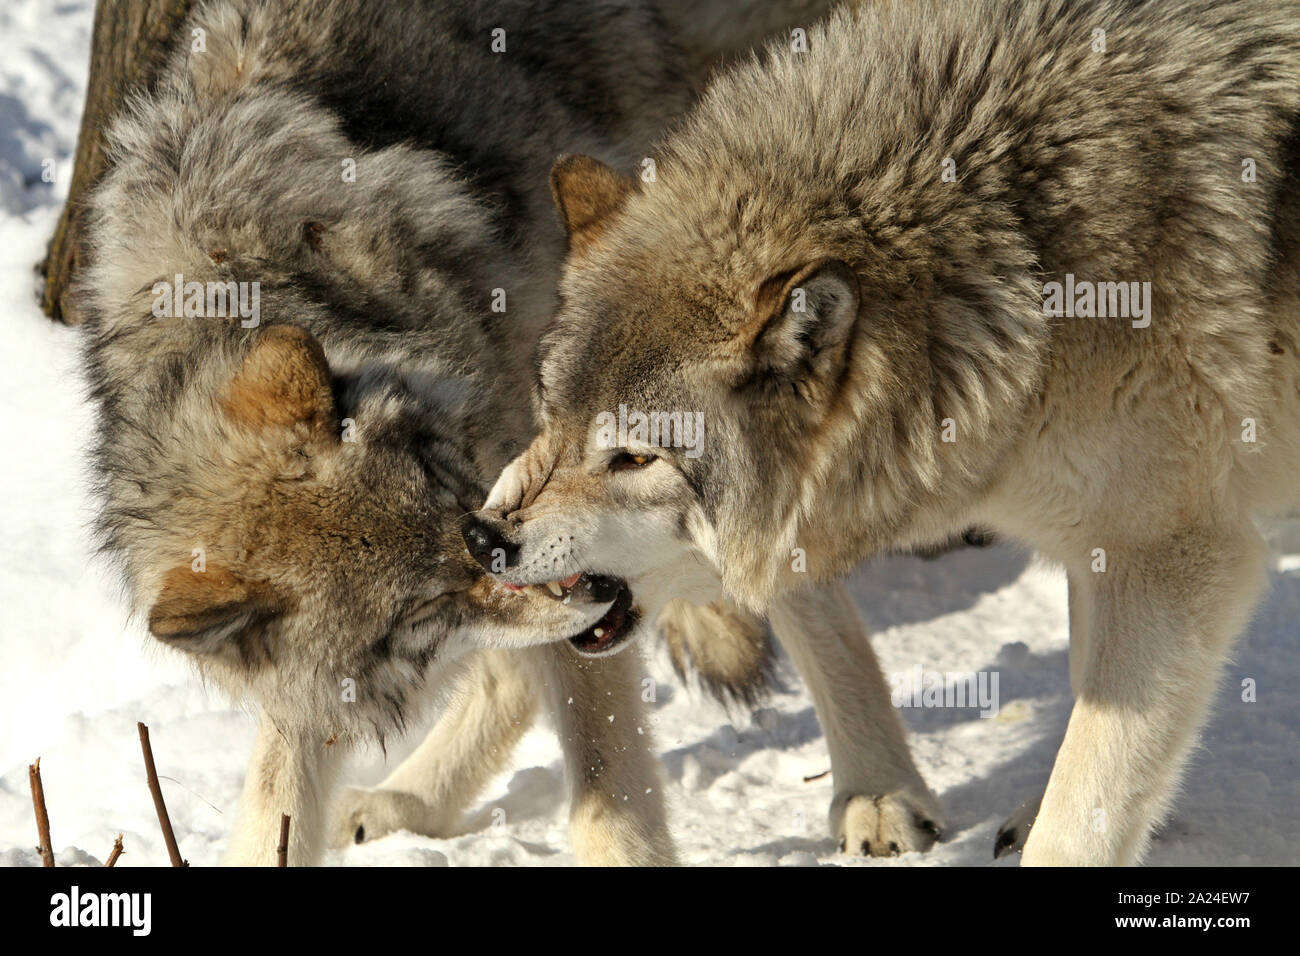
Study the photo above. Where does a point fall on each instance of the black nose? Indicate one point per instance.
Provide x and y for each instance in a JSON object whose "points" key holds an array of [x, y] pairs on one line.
{"points": [[489, 546]]}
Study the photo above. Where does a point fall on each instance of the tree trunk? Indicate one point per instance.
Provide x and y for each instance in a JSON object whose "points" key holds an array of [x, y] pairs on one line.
{"points": [[130, 43]]}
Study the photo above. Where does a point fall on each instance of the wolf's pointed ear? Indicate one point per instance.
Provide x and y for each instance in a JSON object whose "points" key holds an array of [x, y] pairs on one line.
{"points": [[284, 381], [201, 611], [805, 317], [587, 193]]}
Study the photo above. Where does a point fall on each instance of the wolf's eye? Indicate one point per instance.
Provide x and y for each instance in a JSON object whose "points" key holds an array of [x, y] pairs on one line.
{"points": [[625, 461]]}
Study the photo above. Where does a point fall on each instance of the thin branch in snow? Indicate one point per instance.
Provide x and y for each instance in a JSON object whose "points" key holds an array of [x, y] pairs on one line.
{"points": [[155, 788], [117, 851], [46, 849]]}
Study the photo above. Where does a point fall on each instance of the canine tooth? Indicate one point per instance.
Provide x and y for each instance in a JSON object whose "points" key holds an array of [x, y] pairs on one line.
{"points": [[554, 588]]}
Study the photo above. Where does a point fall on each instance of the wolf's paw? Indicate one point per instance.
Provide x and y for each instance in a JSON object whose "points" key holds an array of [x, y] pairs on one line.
{"points": [[886, 825], [363, 815], [1015, 829]]}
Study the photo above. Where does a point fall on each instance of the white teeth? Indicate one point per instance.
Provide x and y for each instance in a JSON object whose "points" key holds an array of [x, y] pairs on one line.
{"points": [[554, 588], [599, 632]]}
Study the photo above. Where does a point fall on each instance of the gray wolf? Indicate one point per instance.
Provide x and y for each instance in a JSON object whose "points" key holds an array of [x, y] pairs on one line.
{"points": [[283, 487], [851, 264]]}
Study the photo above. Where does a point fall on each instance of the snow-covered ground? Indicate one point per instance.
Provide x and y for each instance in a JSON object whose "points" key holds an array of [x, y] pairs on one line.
{"points": [[75, 675]]}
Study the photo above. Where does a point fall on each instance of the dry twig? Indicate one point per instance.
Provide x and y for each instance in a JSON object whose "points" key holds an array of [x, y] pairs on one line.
{"points": [[164, 821], [117, 851], [46, 849], [282, 851]]}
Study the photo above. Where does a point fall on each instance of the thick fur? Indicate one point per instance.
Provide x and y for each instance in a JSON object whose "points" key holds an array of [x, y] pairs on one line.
{"points": [[285, 500], [868, 343], [738, 670]]}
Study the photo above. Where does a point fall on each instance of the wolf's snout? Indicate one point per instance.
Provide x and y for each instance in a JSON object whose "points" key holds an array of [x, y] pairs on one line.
{"points": [[489, 546]]}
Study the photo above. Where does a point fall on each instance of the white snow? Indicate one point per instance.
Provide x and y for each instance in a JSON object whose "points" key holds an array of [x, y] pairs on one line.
{"points": [[75, 675]]}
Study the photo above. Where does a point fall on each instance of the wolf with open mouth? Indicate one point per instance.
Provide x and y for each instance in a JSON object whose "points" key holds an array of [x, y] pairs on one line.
{"points": [[848, 261], [571, 515], [613, 627]]}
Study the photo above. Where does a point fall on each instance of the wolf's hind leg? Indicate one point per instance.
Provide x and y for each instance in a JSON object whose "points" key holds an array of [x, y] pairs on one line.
{"points": [[493, 705], [882, 806]]}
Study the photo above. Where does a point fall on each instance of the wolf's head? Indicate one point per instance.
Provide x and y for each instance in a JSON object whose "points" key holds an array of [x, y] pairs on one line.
{"points": [[317, 563], [847, 371]]}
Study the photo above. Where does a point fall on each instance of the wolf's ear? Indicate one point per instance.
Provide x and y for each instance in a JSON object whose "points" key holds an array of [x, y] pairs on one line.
{"points": [[587, 193], [201, 611], [805, 317], [284, 381]]}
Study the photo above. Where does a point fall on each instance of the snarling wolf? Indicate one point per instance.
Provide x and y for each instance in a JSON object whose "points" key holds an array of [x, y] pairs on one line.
{"points": [[848, 263], [284, 494]]}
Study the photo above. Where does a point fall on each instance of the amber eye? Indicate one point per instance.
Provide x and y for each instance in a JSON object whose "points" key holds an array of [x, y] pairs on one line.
{"points": [[625, 461]]}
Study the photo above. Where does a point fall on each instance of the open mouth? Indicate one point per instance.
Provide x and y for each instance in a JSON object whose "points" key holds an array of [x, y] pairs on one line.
{"points": [[585, 588], [611, 630]]}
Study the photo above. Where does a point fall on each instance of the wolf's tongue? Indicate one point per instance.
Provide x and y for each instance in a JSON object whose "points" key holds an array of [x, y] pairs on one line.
{"points": [[570, 581]]}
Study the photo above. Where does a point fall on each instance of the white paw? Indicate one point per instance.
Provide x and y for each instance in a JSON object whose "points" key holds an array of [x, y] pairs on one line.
{"points": [[1015, 829], [886, 825], [361, 815], [618, 833]]}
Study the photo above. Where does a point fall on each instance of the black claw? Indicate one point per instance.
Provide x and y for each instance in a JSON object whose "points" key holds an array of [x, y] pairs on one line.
{"points": [[843, 844], [893, 849], [866, 848], [360, 835], [1005, 841], [930, 827]]}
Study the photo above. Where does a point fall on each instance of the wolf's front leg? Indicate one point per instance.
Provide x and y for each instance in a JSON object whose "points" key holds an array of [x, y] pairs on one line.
{"points": [[882, 806], [290, 773], [491, 708], [616, 815], [1161, 618]]}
